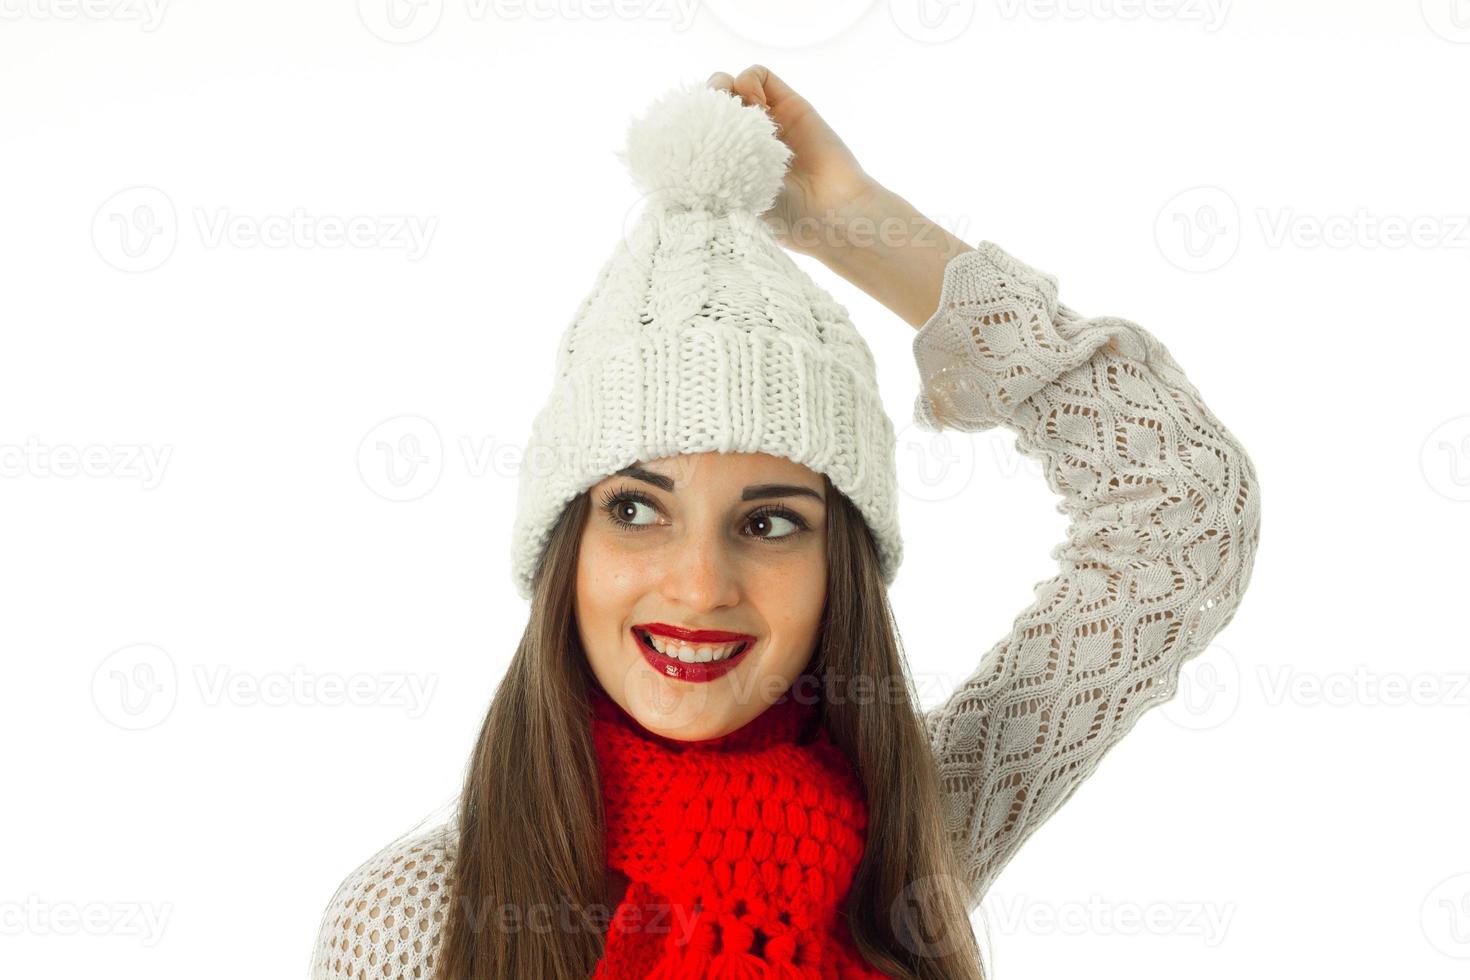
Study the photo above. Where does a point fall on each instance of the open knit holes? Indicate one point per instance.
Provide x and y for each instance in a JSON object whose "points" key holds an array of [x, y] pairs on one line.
{"points": [[390, 920], [760, 936], [991, 319], [740, 910]]}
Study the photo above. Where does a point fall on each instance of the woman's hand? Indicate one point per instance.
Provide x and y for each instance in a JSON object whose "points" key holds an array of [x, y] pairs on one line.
{"points": [[825, 186], [830, 209]]}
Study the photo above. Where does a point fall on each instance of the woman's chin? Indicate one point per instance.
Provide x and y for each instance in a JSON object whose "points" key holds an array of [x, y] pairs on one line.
{"points": [[675, 709]]}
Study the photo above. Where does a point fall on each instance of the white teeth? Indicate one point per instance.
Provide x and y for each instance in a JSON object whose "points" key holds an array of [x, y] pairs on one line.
{"points": [[691, 655]]}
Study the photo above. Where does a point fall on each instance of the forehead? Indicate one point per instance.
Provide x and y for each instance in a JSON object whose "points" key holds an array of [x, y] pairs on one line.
{"points": [[735, 470]]}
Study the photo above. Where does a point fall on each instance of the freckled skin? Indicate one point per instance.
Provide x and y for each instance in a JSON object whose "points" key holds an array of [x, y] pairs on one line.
{"points": [[703, 558]]}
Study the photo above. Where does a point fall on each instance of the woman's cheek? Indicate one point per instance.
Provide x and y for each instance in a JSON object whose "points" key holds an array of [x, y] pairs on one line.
{"points": [[791, 600], [610, 565]]}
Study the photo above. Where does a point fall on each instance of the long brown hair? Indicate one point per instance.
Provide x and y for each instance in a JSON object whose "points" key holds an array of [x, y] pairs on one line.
{"points": [[529, 883]]}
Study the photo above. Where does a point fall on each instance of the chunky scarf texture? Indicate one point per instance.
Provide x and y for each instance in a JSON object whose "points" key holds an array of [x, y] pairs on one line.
{"points": [[739, 850]]}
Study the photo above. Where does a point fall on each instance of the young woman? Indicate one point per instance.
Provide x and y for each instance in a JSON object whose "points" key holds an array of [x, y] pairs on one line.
{"points": [[704, 760]]}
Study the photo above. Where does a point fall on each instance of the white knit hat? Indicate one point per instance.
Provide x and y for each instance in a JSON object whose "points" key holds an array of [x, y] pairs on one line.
{"points": [[702, 335]]}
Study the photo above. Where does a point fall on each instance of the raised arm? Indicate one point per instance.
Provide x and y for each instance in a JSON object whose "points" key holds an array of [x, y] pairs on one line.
{"points": [[1164, 519], [1163, 505]]}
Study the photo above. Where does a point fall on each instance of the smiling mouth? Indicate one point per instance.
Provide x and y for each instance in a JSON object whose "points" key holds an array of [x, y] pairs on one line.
{"points": [[697, 653]]}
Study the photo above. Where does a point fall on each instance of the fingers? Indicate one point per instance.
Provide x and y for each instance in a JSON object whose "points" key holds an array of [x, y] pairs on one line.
{"points": [[765, 86], [750, 85], [756, 85]]}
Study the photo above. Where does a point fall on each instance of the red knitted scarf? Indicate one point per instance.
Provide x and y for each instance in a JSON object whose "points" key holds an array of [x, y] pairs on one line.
{"points": [[739, 849]]}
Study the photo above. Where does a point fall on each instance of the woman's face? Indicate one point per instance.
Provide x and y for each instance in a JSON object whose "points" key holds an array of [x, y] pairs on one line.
{"points": [[733, 543]]}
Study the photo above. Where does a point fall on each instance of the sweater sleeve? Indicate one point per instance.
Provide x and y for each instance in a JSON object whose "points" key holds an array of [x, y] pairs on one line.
{"points": [[386, 919], [1163, 521]]}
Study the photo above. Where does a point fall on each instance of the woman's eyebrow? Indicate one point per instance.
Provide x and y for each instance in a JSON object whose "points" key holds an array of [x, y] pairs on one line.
{"points": [[765, 490], [761, 491], [648, 476]]}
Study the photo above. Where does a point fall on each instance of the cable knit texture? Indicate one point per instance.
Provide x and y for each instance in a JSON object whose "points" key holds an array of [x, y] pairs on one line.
{"points": [[1164, 521], [701, 334]]}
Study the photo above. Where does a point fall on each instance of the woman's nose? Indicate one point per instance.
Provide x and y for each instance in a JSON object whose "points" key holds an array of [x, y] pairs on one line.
{"points": [[701, 574]]}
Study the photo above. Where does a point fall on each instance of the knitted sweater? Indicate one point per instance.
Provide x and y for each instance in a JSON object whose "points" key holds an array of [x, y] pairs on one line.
{"points": [[1164, 521]]}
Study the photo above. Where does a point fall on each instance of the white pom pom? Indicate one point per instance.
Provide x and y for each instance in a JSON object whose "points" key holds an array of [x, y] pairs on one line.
{"points": [[701, 148]]}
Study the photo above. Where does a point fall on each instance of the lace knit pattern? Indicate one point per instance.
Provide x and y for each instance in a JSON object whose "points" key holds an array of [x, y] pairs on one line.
{"points": [[386, 918], [1164, 521]]}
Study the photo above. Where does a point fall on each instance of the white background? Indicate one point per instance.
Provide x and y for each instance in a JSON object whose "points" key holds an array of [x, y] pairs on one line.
{"points": [[205, 439]]}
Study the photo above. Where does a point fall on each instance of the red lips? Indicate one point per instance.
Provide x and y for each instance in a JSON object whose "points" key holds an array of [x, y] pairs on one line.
{"points": [[694, 636], [677, 669]]}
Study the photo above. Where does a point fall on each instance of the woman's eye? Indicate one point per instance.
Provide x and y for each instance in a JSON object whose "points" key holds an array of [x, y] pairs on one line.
{"points": [[625, 510], [631, 510], [772, 522]]}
